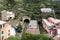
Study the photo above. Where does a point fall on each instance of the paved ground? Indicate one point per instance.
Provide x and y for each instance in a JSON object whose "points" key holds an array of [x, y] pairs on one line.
{"points": [[56, 38], [33, 31]]}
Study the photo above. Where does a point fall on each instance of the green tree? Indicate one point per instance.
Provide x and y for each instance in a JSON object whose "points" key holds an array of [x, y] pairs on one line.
{"points": [[14, 38], [10, 3], [28, 36], [19, 29], [35, 6]]}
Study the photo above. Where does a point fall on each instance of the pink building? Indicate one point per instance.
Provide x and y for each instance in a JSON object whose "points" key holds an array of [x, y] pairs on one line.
{"points": [[52, 26]]}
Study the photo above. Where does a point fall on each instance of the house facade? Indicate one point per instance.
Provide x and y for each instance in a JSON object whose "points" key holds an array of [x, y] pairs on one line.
{"points": [[6, 15], [6, 30], [52, 26]]}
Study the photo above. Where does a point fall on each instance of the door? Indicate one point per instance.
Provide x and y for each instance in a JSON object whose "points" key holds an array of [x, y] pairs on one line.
{"points": [[2, 37]]}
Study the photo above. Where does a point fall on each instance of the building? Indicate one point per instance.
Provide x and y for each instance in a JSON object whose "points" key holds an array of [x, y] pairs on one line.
{"points": [[52, 26], [7, 15], [46, 10], [6, 30], [33, 27]]}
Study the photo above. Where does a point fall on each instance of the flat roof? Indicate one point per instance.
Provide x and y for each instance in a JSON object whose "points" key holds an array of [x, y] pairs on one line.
{"points": [[8, 12], [54, 20], [2, 22], [46, 9], [33, 22], [47, 23], [57, 20]]}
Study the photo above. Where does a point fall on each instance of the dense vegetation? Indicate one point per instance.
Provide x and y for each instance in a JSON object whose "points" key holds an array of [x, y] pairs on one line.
{"points": [[30, 8], [14, 38], [27, 36]]}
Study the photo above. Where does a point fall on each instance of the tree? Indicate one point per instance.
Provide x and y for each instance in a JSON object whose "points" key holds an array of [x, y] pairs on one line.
{"points": [[10, 3], [34, 1], [28, 36], [35, 6], [19, 29], [14, 38]]}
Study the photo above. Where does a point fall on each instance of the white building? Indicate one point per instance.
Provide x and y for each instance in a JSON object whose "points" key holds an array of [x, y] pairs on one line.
{"points": [[45, 10], [6, 15]]}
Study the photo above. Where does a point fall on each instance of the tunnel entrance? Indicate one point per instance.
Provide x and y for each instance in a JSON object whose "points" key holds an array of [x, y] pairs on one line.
{"points": [[39, 23], [26, 21]]}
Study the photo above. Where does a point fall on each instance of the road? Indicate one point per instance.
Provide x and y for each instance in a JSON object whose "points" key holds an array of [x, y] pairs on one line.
{"points": [[23, 30]]}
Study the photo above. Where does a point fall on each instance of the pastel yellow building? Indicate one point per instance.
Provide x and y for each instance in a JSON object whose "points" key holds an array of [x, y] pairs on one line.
{"points": [[6, 30]]}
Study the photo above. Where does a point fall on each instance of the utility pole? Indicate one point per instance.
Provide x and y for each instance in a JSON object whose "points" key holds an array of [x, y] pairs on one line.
{"points": [[54, 13]]}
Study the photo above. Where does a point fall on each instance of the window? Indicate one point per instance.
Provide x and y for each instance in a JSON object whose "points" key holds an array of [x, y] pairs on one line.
{"points": [[9, 32], [2, 37], [30, 25], [57, 24], [54, 26], [0, 26], [2, 32]]}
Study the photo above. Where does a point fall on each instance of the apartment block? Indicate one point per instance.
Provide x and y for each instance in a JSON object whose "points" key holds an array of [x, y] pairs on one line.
{"points": [[6, 30], [52, 26]]}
